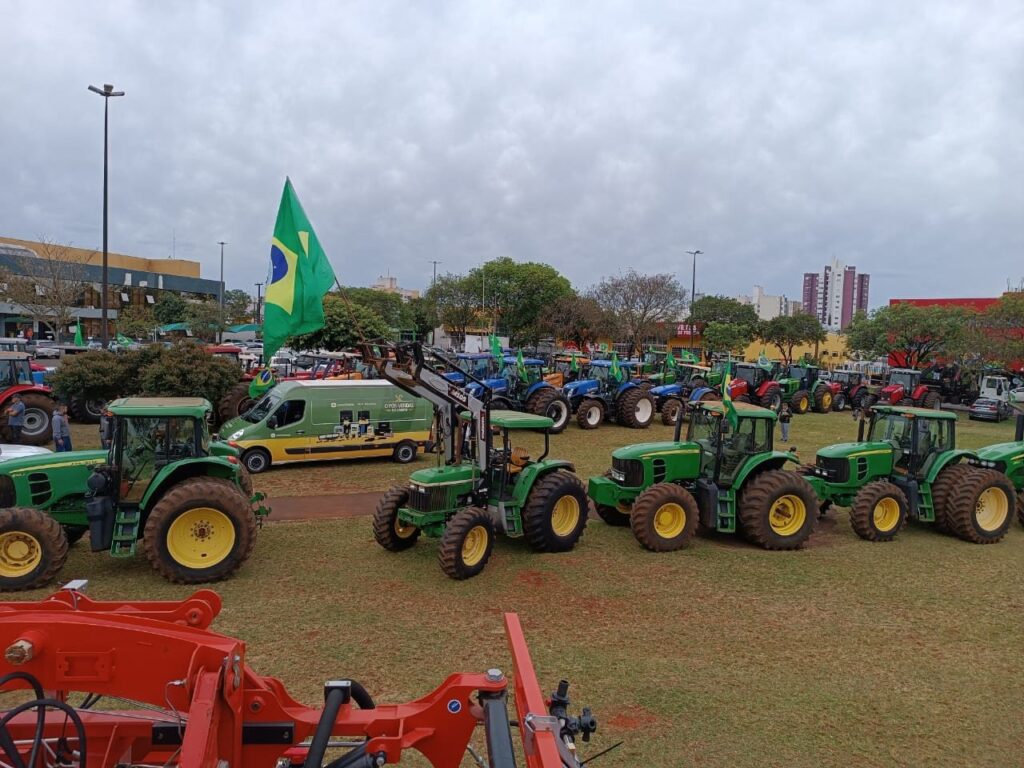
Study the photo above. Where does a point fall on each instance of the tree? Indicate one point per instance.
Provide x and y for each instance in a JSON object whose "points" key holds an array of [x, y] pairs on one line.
{"points": [[170, 308], [788, 331], [579, 319], [187, 370], [390, 307], [137, 321], [237, 304], [640, 303], [48, 287], [1002, 330], [204, 319], [726, 337], [457, 302], [722, 309], [912, 333], [345, 325], [515, 296], [424, 315]]}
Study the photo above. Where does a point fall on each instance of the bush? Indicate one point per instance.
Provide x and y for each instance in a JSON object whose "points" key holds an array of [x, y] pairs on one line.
{"points": [[186, 370], [89, 375]]}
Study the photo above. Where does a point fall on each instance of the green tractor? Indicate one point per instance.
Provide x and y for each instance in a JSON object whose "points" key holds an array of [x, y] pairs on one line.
{"points": [[163, 482], [804, 389], [1008, 458], [484, 486], [907, 466], [725, 477]]}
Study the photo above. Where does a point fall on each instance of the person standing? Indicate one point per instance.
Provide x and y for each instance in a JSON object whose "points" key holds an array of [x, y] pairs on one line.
{"points": [[15, 418], [61, 430], [784, 417]]}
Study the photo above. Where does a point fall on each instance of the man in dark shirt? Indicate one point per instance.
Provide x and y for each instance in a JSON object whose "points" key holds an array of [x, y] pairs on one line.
{"points": [[15, 418]]}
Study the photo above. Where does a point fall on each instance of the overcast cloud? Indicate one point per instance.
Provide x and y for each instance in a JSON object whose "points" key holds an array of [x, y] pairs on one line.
{"points": [[589, 135]]}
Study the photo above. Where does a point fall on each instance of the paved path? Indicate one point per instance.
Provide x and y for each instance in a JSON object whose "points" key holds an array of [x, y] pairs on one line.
{"points": [[322, 507]]}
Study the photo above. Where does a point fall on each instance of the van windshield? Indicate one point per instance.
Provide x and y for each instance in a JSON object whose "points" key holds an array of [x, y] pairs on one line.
{"points": [[263, 408]]}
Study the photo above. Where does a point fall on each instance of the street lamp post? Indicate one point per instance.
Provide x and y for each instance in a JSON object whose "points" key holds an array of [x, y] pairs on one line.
{"points": [[435, 263], [258, 300], [106, 93], [693, 293], [220, 323]]}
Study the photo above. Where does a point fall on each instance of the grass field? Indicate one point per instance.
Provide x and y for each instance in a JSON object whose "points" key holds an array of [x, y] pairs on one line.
{"points": [[843, 654]]}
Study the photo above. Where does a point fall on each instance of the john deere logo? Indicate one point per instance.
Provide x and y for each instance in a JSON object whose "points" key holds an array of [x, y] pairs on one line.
{"points": [[399, 405]]}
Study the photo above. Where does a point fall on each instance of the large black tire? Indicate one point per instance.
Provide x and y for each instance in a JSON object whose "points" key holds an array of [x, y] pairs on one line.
{"points": [[771, 399], [822, 400], [671, 410], [549, 402], [635, 408], [84, 411], [256, 460], [1020, 506], [839, 402], [555, 512], [245, 481], [948, 479], [742, 399], [387, 529], [778, 510], [801, 401], [405, 452], [33, 548], [38, 429], [466, 544], [235, 402], [664, 518], [932, 400], [613, 516], [980, 508], [590, 414], [198, 521], [879, 511]]}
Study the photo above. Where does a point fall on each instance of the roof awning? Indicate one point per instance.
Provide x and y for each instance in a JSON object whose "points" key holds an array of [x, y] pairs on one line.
{"points": [[173, 327], [244, 327]]}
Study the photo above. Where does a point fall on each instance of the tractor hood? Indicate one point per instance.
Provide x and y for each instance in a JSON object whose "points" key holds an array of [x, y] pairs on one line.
{"points": [[853, 450], [1005, 452], [53, 461], [665, 390], [462, 473], [643, 450], [580, 387]]}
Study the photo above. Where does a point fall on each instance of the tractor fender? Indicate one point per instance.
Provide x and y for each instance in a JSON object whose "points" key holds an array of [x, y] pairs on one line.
{"points": [[920, 391], [531, 473], [766, 461], [666, 390], [534, 387], [172, 474], [26, 389], [626, 385], [699, 392], [943, 460]]}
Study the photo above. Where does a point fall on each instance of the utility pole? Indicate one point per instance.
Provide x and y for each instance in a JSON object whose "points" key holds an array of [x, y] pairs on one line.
{"points": [[435, 263], [220, 324], [258, 305], [106, 93], [693, 292]]}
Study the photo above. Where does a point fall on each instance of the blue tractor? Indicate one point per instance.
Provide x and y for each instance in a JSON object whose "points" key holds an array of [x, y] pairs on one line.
{"points": [[599, 396], [669, 399], [513, 388]]}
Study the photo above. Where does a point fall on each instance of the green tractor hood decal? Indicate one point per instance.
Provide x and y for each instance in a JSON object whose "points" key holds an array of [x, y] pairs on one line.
{"points": [[643, 450], [855, 450], [14, 467]]}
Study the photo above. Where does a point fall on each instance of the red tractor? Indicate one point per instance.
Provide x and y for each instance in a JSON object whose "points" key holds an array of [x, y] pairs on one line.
{"points": [[905, 386], [16, 379], [185, 696], [755, 384]]}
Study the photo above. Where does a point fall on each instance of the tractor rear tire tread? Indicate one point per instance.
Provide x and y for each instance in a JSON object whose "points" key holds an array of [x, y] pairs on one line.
{"points": [[230, 406], [932, 400], [539, 507], [541, 400], [771, 399], [822, 400], [216, 493], [385, 516], [48, 533], [44, 403], [645, 509], [80, 413], [584, 409], [963, 501], [755, 503], [862, 511], [948, 479], [671, 410], [627, 406]]}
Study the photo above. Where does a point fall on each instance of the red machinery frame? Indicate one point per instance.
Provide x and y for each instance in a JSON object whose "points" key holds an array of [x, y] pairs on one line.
{"points": [[163, 654]]}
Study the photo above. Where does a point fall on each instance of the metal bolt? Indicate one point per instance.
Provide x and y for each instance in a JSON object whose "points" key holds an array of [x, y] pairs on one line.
{"points": [[494, 675], [19, 652]]}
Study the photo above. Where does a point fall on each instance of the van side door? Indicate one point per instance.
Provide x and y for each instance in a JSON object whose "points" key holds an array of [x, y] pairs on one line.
{"points": [[288, 427]]}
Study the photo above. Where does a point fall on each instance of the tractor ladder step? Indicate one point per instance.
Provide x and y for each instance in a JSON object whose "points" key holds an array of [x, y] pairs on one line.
{"points": [[726, 522], [126, 532]]}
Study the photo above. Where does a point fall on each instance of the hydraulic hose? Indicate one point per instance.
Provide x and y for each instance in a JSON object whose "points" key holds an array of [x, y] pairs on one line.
{"points": [[42, 705], [361, 696], [332, 705], [5, 740]]}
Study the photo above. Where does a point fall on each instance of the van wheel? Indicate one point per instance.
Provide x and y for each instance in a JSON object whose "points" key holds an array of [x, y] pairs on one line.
{"points": [[256, 460], [405, 452]]}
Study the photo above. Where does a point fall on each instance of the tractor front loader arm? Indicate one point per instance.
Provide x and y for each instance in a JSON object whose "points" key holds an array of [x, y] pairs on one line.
{"points": [[212, 709]]}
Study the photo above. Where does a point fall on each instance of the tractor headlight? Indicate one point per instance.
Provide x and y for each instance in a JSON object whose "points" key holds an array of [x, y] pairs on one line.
{"points": [[237, 434], [618, 476]]}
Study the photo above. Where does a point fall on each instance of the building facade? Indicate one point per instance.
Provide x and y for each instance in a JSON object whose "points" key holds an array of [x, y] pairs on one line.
{"points": [[767, 306], [131, 280], [388, 284], [835, 294]]}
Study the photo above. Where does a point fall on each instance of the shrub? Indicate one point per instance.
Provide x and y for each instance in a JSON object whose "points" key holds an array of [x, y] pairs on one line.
{"points": [[186, 370], [90, 376]]}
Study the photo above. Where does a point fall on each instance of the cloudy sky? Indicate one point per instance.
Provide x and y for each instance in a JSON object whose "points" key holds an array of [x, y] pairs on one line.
{"points": [[592, 136]]}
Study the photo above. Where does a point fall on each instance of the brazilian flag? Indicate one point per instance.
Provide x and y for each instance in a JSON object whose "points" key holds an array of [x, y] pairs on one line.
{"points": [[300, 275], [730, 410], [614, 370], [261, 383]]}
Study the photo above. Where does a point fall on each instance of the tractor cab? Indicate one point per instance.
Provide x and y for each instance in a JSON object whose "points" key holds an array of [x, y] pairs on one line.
{"points": [[846, 378], [917, 436], [725, 450], [507, 460]]}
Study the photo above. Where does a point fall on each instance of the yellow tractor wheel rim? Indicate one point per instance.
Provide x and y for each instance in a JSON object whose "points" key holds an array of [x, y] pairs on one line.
{"points": [[886, 514], [20, 554], [802, 403], [200, 537], [991, 510], [826, 400], [669, 520], [565, 516], [787, 515], [403, 531], [474, 546]]}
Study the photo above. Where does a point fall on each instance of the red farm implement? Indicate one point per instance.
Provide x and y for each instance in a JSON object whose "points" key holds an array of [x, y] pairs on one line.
{"points": [[197, 704]]}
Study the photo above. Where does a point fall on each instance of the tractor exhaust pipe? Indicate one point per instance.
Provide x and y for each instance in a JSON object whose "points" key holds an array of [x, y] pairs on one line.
{"points": [[1019, 434]]}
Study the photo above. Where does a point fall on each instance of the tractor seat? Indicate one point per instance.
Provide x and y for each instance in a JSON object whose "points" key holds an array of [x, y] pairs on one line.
{"points": [[519, 459]]}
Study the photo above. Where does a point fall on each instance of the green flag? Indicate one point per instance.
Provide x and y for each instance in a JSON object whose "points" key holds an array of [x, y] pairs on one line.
{"points": [[123, 340], [574, 364], [670, 361], [763, 361], [300, 275], [521, 365], [614, 371], [496, 348], [730, 409], [79, 340]]}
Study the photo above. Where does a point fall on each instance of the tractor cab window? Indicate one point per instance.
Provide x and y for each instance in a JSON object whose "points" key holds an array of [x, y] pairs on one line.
{"points": [[7, 375], [23, 370], [751, 436], [289, 412], [146, 445], [599, 372], [477, 368], [748, 374], [906, 379]]}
